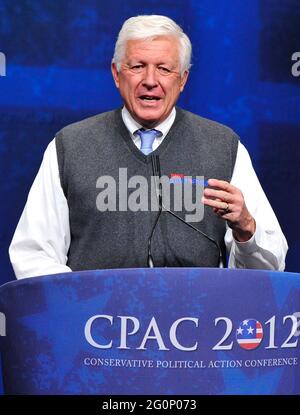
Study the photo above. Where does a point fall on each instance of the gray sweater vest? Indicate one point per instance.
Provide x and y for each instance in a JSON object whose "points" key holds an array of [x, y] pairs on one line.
{"points": [[100, 146]]}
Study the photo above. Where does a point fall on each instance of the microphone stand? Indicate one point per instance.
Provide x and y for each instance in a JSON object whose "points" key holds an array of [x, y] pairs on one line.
{"points": [[155, 168], [157, 173]]}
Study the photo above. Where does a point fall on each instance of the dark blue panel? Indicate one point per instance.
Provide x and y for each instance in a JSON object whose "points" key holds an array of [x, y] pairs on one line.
{"points": [[277, 170], [280, 36]]}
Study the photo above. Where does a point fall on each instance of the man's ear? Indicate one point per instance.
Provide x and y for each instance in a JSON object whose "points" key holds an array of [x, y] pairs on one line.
{"points": [[115, 74], [183, 80]]}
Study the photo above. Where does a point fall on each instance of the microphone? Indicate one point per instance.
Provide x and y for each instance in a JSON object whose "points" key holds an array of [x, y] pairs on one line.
{"points": [[155, 168], [157, 173]]}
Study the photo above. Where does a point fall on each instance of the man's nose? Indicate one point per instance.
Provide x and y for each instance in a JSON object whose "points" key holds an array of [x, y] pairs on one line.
{"points": [[150, 77]]}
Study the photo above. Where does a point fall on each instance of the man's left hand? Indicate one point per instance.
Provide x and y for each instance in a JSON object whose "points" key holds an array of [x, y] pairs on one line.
{"points": [[228, 202]]}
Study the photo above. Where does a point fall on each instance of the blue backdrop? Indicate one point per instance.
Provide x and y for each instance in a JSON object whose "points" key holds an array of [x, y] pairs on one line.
{"points": [[58, 57]]}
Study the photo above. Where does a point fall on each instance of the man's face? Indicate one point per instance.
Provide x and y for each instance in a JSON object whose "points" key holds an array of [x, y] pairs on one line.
{"points": [[149, 79]]}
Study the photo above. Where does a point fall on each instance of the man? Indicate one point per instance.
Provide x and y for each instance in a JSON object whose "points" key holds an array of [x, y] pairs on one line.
{"points": [[62, 227]]}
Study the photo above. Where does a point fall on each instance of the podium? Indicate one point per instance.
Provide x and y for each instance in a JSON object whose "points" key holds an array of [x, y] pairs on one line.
{"points": [[161, 331]]}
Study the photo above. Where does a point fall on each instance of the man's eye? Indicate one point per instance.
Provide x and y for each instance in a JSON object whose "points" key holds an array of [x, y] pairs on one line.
{"points": [[164, 70], [137, 68]]}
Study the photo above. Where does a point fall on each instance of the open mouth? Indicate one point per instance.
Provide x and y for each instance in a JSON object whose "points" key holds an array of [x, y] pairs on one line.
{"points": [[149, 98]]}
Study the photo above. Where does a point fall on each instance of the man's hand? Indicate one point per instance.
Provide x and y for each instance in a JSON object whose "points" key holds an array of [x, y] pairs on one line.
{"points": [[228, 202]]}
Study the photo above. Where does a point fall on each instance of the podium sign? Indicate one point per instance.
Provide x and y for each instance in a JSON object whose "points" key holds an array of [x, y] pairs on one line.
{"points": [[187, 331]]}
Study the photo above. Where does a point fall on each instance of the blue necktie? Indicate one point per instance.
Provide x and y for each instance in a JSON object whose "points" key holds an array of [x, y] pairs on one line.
{"points": [[147, 139]]}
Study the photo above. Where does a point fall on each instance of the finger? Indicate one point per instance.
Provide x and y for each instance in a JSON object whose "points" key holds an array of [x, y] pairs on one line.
{"points": [[215, 203], [222, 185], [216, 210], [219, 194]]}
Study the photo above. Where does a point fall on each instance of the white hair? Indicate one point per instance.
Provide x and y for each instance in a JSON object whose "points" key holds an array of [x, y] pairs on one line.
{"points": [[148, 27]]}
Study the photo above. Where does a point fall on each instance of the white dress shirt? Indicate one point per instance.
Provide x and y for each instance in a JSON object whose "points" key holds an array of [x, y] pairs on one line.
{"points": [[42, 238]]}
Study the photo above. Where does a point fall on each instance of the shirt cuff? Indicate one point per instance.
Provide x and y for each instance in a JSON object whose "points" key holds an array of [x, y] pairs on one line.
{"points": [[250, 246]]}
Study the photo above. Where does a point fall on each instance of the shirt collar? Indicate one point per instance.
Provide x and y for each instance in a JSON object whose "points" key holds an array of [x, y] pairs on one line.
{"points": [[132, 125]]}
